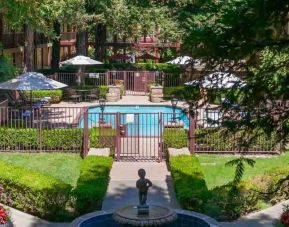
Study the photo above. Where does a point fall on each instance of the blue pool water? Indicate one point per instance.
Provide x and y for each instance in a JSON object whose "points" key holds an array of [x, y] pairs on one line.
{"points": [[138, 120]]}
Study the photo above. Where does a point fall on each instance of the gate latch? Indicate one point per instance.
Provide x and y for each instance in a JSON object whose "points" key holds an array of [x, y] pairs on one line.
{"points": [[122, 130]]}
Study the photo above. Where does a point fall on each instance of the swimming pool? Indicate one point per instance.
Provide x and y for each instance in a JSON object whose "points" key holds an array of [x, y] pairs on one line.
{"points": [[138, 120]]}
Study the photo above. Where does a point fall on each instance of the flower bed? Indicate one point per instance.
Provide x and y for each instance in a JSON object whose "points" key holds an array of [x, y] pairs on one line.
{"points": [[4, 217], [285, 216]]}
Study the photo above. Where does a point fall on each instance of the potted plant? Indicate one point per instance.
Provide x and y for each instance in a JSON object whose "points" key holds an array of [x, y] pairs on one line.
{"points": [[4, 217], [285, 216]]}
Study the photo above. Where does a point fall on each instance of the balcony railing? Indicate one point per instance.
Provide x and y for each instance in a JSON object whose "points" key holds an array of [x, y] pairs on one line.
{"points": [[68, 36]]}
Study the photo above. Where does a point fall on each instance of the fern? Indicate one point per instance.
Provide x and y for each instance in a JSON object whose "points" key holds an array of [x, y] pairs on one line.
{"points": [[240, 167]]}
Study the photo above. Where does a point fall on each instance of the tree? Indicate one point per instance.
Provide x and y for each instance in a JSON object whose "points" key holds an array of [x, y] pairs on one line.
{"points": [[7, 70], [252, 36], [38, 15]]}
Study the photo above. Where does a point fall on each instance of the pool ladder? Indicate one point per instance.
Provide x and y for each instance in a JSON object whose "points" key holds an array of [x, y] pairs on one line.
{"points": [[137, 107]]}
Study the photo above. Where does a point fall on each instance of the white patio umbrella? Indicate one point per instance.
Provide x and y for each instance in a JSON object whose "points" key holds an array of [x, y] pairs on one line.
{"points": [[218, 80], [30, 81], [182, 60], [80, 60]]}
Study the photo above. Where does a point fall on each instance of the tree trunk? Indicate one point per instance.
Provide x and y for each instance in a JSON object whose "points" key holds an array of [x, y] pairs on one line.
{"points": [[56, 47], [99, 42], [29, 48], [114, 49], [80, 43]]}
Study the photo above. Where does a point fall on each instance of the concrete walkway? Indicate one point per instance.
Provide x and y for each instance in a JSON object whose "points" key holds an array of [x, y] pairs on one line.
{"points": [[126, 100], [264, 218], [21, 219], [122, 186]]}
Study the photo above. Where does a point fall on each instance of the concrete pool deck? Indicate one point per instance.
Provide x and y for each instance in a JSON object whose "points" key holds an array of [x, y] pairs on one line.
{"points": [[126, 100]]}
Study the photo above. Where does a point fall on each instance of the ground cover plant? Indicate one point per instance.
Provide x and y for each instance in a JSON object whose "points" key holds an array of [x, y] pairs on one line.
{"points": [[56, 187]]}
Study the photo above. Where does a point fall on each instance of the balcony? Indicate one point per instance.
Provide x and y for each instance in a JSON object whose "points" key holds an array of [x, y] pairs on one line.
{"points": [[12, 40], [68, 38]]}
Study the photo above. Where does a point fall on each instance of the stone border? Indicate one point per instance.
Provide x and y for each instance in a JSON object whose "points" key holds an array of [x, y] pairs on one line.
{"points": [[172, 152], [79, 221], [210, 221]]}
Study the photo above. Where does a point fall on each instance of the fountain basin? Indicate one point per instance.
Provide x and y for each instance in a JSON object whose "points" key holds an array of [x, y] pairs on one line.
{"points": [[157, 216], [184, 218]]}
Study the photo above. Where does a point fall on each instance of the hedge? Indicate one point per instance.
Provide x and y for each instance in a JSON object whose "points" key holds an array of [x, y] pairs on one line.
{"points": [[56, 95], [176, 138], [173, 92], [168, 68], [92, 183], [107, 139], [33, 192], [70, 139], [190, 186], [215, 139], [27, 138]]}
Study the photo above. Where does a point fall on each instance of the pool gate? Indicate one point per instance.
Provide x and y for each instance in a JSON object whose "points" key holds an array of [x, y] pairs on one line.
{"points": [[134, 136]]}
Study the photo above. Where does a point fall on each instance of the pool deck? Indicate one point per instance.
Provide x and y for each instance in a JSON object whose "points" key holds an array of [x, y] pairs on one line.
{"points": [[126, 100]]}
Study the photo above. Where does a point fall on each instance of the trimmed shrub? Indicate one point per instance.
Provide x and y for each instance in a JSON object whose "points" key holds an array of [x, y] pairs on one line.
{"points": [[176, 138], [52, 139], [107, 138], [190, 186], [92, 183], [215, 139], [56, 95], [33, 192], [228, 202], [64, 139], [222, 139], [171, 92]]}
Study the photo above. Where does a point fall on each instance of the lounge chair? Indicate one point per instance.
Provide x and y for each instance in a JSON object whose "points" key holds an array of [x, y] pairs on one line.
{"points": [[93, 95]]}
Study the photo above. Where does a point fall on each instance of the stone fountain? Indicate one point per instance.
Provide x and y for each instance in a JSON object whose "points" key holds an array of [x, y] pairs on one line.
{"points": [[143, 214]]}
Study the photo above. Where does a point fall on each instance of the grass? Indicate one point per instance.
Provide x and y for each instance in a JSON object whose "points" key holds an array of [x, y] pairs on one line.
{"points": [[217, 174], [65, 167]]}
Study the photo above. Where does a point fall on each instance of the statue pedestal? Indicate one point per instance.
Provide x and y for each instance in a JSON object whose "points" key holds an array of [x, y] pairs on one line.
{"points": [[143, 209]]}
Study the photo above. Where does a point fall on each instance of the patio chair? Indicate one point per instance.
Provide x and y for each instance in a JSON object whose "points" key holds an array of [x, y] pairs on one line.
{"points": [[93, 95], [73, 96]]}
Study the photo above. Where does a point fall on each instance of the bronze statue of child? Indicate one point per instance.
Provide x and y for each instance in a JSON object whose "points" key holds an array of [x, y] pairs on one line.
{"points": [[143, 185]]}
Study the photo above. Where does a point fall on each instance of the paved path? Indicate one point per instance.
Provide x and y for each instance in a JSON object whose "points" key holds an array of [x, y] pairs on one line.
{"points": [[122, 190], [21, 219], [264, 218]]}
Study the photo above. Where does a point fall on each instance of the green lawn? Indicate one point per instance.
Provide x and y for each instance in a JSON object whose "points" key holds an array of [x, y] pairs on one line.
{"points": [[65, 167], [217, 174]]}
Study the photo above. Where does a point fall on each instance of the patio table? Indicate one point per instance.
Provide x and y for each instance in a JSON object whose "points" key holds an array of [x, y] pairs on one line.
{"points": [[83, 92]]}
